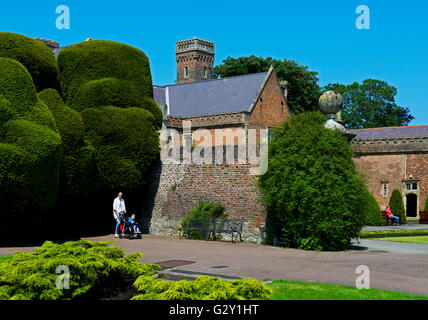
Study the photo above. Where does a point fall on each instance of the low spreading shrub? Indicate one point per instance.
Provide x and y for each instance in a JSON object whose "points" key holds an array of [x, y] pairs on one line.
{"points": [[96, 271], [203, 288]]}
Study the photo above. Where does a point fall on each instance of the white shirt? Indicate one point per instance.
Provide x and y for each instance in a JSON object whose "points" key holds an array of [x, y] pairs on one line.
{"points": [[118, 206]]}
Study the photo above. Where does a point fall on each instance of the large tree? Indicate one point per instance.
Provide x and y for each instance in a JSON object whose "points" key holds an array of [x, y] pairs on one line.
{"points": [[303, 88], [370, 105]]}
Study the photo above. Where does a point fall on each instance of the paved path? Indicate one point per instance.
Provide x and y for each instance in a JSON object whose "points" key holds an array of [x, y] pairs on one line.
{"points": [[403, 227], [392, 271], [393, 246]]}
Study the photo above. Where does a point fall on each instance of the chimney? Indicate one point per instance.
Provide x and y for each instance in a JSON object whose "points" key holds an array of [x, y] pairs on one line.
{"points": [[284, 87]]}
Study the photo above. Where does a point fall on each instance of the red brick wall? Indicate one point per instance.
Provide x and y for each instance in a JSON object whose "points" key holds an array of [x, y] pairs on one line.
{"points": [[271, 108], [392, 161]]}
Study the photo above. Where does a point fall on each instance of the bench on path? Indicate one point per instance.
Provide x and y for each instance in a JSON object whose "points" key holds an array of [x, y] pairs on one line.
{"points": [[214, 226], [386, 221]]}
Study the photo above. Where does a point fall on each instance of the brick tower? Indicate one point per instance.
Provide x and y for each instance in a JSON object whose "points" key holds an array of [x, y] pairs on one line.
{"points": [[195, 59]]}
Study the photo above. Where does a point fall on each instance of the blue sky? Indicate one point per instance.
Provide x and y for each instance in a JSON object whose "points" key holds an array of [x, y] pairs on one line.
{"points": [[319, 34]]}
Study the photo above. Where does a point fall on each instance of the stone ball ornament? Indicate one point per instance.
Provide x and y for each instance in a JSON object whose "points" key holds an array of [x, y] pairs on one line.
{"points": [[331, 102]]}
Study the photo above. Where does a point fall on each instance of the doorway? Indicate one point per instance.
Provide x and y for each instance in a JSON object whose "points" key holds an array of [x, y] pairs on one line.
{"points": [[411, 205]]}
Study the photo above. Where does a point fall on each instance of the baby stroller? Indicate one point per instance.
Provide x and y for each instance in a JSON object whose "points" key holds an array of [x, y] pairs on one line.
{"points": [[126, 229]]}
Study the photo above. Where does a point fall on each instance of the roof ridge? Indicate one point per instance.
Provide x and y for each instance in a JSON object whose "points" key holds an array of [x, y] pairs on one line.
{"points": [[394, 127], [211, 80]]}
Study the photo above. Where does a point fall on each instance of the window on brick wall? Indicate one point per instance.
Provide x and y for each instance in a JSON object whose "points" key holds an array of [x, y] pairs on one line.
{"points": [[186, 72], [205, 73], [384, 189]]}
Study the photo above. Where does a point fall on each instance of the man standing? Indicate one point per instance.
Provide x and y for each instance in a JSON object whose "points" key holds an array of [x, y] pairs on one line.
{"points": [[118, 209]]}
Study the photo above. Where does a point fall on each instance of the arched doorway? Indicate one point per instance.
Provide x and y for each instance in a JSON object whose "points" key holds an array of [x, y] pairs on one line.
{"points": [[411, 205]]}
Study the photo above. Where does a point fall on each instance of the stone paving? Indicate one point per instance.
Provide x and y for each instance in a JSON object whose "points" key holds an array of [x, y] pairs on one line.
{"points": [[388, 270]]}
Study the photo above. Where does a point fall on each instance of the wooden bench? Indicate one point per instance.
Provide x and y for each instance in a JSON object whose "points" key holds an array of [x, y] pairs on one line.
{"points": [[423, 217], [214, 226], [386, 221]]}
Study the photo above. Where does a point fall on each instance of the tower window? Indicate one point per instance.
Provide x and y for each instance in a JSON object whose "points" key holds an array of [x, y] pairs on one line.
{"points": [[205, 73], [186, 72]]}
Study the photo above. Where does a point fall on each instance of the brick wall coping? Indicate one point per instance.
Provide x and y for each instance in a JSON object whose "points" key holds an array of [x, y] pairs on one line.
{"points": [[387, 140]]}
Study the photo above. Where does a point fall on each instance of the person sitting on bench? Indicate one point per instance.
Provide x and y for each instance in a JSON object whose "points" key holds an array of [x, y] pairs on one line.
{"points": [[391, 216]]}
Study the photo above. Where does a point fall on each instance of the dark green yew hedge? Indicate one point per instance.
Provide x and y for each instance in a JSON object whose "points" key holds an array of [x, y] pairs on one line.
{"points": [[38, 58], [98, 59]]}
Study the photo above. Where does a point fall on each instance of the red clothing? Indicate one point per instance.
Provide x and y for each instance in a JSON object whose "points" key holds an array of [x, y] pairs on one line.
{"points": [[389, 212]]}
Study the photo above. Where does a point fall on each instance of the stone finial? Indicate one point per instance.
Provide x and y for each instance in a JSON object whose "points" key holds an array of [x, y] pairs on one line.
{"points": [[331, 103]]}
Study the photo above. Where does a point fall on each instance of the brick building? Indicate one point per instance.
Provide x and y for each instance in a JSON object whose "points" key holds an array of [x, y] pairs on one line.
{"points": [[394, 158], [227, 110], [390, 158]]}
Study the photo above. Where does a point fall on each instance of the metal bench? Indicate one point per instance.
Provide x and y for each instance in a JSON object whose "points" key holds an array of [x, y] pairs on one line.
{"points": [[197, 224], [232, 227], [214, 226]]}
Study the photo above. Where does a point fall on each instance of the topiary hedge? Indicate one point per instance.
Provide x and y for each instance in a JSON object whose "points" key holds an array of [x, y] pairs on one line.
{"points": [[312, 188], [396, 205], [98, 60], [30, 151], [203, 288], [371, 210], [426, 205], [126, 141], [96, 271], [37, 58]]}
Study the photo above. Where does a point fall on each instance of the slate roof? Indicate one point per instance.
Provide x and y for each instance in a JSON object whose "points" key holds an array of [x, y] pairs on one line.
{"points": [[227, 95], [391, 132]]}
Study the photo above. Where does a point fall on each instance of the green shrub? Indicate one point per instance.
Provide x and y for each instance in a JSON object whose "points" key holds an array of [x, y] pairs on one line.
{"points": [[102, 60], [312, 188], [95, 271], [203, 288], [396, 205], [371, 210], [38, 58], [126, 144], [426, 205], [205, 209], [17, 89], [68, 121]]}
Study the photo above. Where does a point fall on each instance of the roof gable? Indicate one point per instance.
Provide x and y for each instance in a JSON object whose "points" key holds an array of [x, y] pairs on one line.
{"points": [[227, 95]]}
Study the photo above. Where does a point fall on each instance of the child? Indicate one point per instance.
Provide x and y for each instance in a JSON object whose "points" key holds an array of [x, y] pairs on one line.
{"points": [[133, 224]]}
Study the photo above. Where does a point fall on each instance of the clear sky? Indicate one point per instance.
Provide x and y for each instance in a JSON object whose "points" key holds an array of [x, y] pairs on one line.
{"points": [[319, 34]]}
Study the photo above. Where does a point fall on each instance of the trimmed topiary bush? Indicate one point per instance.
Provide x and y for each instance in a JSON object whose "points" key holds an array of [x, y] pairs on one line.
{"points": [[203, 288], [426, 205], [36, 57], [126, 141], [96, 271], [371, 210], [30, 150], [312, 188], [102, 60], [396, 205]]}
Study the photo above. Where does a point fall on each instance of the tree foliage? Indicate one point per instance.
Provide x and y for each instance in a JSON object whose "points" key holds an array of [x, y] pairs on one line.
{"points": [[312, 188], [303, 88], [371, 105]]}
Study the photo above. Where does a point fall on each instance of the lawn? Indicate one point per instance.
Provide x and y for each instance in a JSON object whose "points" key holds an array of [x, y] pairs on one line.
{"points": [[296, 290], [4, 258], [420, 239]]}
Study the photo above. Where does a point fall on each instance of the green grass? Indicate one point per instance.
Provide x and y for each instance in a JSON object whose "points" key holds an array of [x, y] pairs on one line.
{"points": [[419, 239], [393, 233], [4, 258], [297, 290]]}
